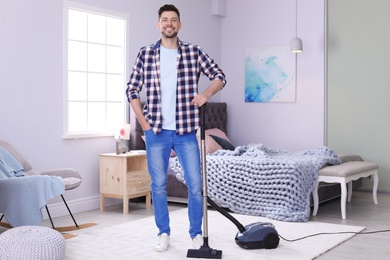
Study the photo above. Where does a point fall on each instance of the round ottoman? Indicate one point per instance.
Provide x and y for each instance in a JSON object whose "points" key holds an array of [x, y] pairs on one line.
{"points": [[32, 242]]}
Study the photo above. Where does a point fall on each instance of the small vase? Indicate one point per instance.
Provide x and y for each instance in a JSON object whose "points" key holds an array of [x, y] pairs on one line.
{"points": [[118, 147]]}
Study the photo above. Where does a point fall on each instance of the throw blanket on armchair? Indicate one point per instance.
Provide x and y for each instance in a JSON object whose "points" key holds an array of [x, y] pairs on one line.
{"points": [[9, 166], [257, 180], [22, 198]]}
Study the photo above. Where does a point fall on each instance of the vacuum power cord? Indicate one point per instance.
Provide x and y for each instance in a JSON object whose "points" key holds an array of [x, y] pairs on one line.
{"points": [[336, 233]]}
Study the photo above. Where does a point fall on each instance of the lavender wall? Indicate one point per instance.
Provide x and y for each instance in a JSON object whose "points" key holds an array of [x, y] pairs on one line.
{"points": [[31, 65], [249, 23], [31, 76]]}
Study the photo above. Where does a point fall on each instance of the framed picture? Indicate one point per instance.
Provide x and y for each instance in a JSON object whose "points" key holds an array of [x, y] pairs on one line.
{"points": [[270, 74]]}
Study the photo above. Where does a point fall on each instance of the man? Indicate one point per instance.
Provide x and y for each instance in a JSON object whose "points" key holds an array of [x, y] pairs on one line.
{"points": [[169, 70]]}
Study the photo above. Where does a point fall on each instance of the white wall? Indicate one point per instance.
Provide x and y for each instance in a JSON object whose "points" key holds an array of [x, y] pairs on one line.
{"points": [[251, 23]]}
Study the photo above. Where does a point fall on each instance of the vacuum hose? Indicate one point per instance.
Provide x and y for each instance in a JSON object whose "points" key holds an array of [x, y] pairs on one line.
{"points": [[240, 227]]}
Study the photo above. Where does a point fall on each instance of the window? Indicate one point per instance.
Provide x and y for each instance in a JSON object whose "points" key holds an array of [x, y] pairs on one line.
{"points": [[94, 71]]}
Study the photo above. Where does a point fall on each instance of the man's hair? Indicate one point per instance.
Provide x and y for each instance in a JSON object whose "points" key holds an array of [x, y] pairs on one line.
{"points": [[166, 8]]}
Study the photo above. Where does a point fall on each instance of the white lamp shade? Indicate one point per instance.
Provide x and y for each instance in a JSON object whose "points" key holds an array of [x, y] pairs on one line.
{"points": [[296, 45]]}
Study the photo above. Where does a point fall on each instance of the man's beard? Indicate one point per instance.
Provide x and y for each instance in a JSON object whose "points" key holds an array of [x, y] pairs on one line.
{"points": [[169, 36]]}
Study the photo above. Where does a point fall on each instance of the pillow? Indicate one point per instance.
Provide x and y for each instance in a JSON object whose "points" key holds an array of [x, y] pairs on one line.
{"points": [[225, 144], [217, 132], [345, 157], [211, 145]]}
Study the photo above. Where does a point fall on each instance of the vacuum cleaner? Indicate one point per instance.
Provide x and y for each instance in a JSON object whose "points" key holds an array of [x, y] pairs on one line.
{"points": [[253, 236]]}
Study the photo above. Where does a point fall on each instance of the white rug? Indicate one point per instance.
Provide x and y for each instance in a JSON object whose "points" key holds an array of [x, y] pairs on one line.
{"points": [[135, 239]]}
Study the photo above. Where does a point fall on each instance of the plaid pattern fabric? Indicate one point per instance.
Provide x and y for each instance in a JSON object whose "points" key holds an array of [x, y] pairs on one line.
{"points": [[192, 61]]}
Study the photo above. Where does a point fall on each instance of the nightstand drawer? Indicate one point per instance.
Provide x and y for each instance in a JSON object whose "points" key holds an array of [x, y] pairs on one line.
{"points": [[141, 175], [138, 181], [135, 187]]}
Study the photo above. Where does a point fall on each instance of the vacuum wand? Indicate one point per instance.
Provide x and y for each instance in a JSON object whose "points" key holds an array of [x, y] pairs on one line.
{"points": [[204, 251], [253, 236], [204, 175]]}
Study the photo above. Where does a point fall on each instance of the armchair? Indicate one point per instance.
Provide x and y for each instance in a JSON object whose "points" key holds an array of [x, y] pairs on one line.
{"points": [[23, 208]]}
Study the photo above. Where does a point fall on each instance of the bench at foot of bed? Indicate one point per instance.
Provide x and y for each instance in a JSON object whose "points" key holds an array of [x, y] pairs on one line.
{"points": [[344, 174]]}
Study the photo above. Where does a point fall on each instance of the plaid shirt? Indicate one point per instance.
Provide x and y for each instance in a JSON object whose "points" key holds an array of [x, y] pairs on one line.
{"points": [[191, 62]]}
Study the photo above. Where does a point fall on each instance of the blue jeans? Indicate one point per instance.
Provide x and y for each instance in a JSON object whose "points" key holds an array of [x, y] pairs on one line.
{"points": [[158, 150]]}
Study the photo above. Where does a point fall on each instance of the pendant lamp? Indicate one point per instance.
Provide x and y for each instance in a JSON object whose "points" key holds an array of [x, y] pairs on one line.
{"points": [[296, 42]]}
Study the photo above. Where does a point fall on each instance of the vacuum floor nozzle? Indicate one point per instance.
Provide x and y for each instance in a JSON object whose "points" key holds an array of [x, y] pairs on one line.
{"points": [[204, 252]]}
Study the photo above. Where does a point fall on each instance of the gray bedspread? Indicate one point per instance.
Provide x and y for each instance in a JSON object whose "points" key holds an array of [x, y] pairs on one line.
{"points": [[257, 180]]}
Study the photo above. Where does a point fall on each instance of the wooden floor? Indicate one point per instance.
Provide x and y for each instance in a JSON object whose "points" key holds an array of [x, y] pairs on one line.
{"points": [[361, 211]]}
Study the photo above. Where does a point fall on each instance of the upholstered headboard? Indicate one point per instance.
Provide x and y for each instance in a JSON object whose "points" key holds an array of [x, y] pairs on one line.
{"points": [[216, 117]]}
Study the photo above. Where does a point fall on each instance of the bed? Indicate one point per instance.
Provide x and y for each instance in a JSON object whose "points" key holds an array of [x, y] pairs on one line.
{"points": [[219, 148]]}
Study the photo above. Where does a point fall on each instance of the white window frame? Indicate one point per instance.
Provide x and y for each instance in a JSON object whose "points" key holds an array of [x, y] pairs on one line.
{"points": [[96, 10]]}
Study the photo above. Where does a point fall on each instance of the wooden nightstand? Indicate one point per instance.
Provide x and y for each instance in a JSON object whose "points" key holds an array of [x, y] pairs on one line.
{"points": [[124, 176]]}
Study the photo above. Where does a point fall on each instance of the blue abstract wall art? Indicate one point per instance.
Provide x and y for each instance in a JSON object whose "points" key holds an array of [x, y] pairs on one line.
{"points": [[270, 74]]}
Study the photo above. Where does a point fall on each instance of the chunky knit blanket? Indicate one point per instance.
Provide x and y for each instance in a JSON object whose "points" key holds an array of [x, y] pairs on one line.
{"points": [[257, 180]]}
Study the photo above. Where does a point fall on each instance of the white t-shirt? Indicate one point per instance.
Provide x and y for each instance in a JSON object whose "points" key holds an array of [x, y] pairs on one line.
{"points": [[168, 72]]}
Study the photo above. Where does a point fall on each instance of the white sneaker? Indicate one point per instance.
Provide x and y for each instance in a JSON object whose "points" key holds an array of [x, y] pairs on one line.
{"points": [[197, 241], [163, 243]]}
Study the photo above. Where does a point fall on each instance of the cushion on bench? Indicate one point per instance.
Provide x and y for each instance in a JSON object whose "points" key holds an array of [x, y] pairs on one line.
{"points": [[348, 169], [347, 157]]}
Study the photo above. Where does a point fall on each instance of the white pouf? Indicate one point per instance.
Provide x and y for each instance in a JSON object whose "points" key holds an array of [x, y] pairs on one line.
{"points": [[32, 242]]}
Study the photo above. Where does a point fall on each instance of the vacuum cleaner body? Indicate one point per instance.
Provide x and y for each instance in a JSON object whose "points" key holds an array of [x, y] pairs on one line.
{"points": [[257, 236]]}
